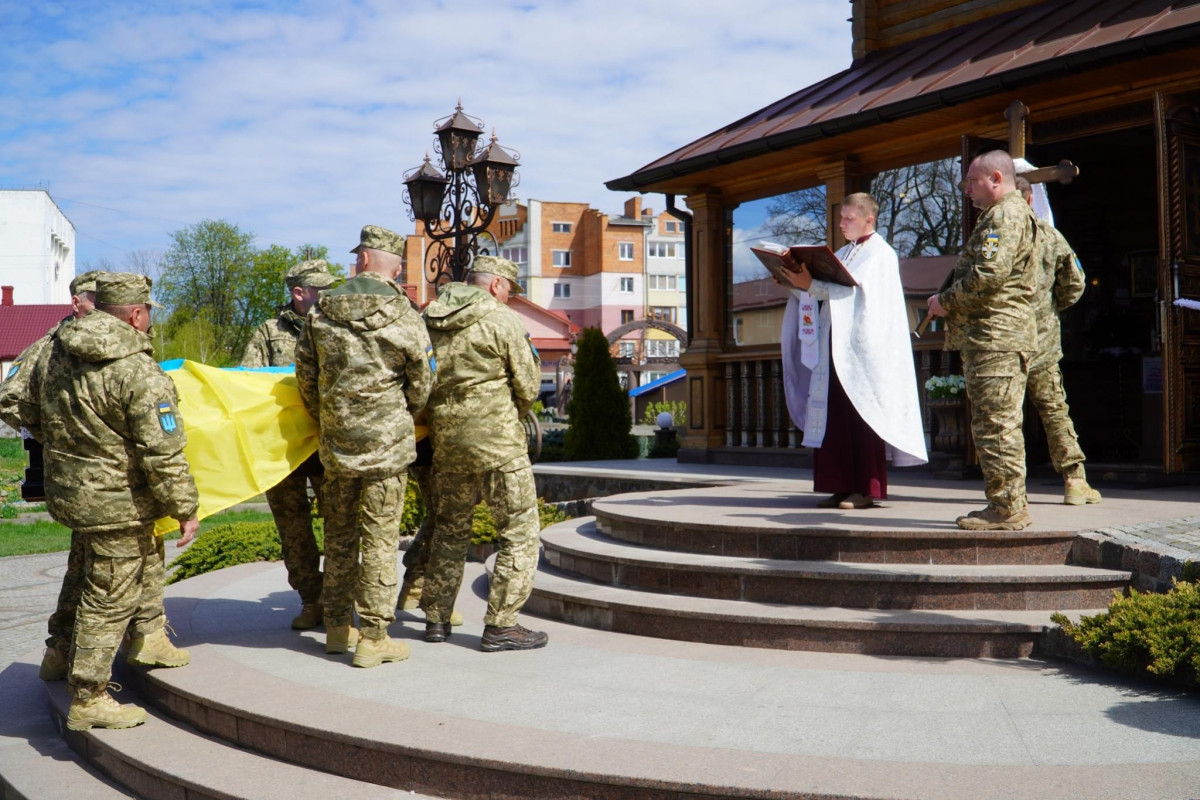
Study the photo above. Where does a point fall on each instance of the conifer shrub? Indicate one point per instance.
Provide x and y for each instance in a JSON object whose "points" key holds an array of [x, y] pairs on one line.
{"points": [[601, 422], [1150, 633], [235, 543]]}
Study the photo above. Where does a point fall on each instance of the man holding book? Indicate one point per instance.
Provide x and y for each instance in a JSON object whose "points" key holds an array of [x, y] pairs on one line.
{"points": [[848, 369]]}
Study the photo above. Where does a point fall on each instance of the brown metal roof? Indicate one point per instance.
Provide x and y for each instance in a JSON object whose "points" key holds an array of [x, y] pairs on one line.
{"points": [[1033, 44]]}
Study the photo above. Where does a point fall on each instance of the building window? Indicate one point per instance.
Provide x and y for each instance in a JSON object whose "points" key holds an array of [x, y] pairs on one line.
{"points": [[562, 290], [626, 316], [669, 227], [626, 285], [626, 349], [682, 283], [560, 227], [662, 348], [662, 283], [518, 255], [625, 251], [524, 284], [664, 249], [662, 313], [562, 258]]}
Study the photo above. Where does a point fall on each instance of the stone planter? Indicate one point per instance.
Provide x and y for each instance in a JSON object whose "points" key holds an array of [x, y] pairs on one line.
{"points": [[949, 415]]}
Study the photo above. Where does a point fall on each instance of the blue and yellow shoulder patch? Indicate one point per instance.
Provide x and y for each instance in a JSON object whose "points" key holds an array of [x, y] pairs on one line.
{"points": [[429, 354], [536, 355], [991, 244], [166, 418], [16, 366], [1078, 263]]}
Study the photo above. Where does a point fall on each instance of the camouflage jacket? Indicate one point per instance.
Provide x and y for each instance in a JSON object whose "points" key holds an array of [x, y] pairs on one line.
{"points": [[17, 381], [1060, 285], [364, 366], [990, 301], [109, 419], [273, 344], [489, 376]]}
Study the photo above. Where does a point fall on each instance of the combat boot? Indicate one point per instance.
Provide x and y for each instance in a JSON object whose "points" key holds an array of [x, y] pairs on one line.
{"points": [[102, 711], [155, 650], [373, 652], [54, 665], [311, 615], [436, 632], [512, 637], [410, 594], [340, 639], [1077, 492], [993, 519]]}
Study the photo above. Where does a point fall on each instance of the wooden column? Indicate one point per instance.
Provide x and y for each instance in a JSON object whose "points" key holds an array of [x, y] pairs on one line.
{"points": [[706, 390], [841, 178]]}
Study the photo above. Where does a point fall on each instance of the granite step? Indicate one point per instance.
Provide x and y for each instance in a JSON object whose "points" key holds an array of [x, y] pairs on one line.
{"points": [[576, 546], [766, 522], [163, 759]]}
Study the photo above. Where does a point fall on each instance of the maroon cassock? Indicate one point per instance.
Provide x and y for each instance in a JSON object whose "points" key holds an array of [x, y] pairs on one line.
{"points": [[852, 458]]}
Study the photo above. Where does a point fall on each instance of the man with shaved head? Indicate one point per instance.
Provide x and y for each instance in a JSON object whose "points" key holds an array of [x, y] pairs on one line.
{"points": [[989, 309]]}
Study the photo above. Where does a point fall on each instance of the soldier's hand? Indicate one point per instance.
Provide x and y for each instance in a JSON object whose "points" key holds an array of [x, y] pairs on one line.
{"points": [[188, 528], [936, 309]]}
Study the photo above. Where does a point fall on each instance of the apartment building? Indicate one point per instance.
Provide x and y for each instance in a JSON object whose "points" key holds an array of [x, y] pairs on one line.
{"points": [[37, 248]]}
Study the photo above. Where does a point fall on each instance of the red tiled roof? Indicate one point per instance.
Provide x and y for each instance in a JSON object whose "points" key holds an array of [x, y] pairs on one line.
{"points": [[21, 326], [516, 299], [984, 58]]}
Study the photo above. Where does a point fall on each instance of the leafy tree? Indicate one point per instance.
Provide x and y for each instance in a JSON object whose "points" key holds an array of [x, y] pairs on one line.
{"points": [[601, 422], [798, 217]]}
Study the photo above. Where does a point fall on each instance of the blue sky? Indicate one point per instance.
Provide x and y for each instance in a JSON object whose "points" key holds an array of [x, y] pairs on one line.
{"points": [[296, 120]]}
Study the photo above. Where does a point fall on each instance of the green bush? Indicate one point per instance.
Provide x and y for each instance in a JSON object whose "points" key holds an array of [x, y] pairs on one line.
{"points": [[601, 423], [1158, 634], [677, 409], [231, 544], [483, 527], [12, 449]]}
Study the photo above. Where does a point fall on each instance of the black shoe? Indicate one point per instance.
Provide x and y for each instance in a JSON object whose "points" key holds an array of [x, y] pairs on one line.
{"points": [[514, 637], [437, 631]]}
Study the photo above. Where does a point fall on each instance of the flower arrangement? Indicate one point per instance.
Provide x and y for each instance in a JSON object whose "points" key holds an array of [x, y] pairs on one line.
{"points": [[946, 387]]}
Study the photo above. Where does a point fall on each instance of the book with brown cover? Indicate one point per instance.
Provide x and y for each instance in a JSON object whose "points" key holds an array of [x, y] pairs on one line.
{"points": [[822, 264]]}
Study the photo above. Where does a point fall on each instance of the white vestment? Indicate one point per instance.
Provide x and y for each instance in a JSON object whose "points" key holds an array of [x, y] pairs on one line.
{"points": [[865, 329]]}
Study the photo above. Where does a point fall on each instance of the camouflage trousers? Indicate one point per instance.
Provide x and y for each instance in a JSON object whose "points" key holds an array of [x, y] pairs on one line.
{"points": [[362, 516], [61, 625], [416, 558], [996, 388], [1045, 389], [292, 510], [511, 496], [123, 578]]}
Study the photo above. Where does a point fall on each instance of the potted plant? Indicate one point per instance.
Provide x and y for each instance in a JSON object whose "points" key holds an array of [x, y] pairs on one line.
{"points": [[946, 397]]}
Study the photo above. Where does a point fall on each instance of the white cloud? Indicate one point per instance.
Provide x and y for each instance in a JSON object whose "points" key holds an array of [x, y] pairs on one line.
{"points": [[297, 125]]}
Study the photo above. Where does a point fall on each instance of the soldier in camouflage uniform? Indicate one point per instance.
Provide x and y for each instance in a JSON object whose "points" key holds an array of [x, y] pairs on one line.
{"points": [[273, 344], [109, 419], [989, 309], [490, 376], [1060, 285], [364, 366], [62, 621]]}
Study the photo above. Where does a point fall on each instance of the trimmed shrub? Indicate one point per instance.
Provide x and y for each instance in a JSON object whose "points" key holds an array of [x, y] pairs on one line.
{"points": [[1155, 634], [677, 410], [601, 422], [236, 543]]}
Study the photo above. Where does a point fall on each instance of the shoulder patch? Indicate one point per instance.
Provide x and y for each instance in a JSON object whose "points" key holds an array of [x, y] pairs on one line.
{"points": [[429, 354], [991, 244], [537, 356], [1078, 264], [166, 418], [16, 366]]}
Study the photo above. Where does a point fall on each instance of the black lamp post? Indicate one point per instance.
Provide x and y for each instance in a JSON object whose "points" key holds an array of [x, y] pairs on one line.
{"points": [[458, 205]]}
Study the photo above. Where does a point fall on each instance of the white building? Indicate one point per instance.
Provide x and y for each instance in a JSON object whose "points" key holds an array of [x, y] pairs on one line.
{"points": [[37, 247]]}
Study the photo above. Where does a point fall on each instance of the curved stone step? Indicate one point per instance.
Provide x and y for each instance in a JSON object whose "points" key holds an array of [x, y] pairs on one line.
{"points": [[767, 521], [949, 633], [577, 547]]}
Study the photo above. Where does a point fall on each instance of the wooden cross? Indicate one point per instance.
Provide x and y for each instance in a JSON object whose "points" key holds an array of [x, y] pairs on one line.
{"points": [[1016, 114]]}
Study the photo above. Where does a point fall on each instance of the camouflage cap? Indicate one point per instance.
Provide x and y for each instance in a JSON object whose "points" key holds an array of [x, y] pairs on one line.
{"points": [[494, 265], [85, 282], [314, 272], [123, 289], [378, 238]]}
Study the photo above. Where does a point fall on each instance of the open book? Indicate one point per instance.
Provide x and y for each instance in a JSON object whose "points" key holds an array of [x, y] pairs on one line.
{"points": [[822, 264]]}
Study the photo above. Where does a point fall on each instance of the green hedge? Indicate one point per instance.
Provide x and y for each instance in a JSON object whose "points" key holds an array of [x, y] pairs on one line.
{"points": [[1154, 634]]}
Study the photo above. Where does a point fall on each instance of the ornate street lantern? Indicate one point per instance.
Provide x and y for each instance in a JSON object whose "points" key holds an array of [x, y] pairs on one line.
{"points": [[458, 206]]}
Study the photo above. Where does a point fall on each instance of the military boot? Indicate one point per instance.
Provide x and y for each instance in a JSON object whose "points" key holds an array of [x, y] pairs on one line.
{"points": [[373, 652], [1077, 492], [54, 665], [102, 711], [410, 594], [156, 650], [311, 615], [511, 637], [340, 639], [993, 519]]}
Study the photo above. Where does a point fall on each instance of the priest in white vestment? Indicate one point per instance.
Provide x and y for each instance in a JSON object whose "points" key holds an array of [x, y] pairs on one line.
{"points": [[848, 367]]}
